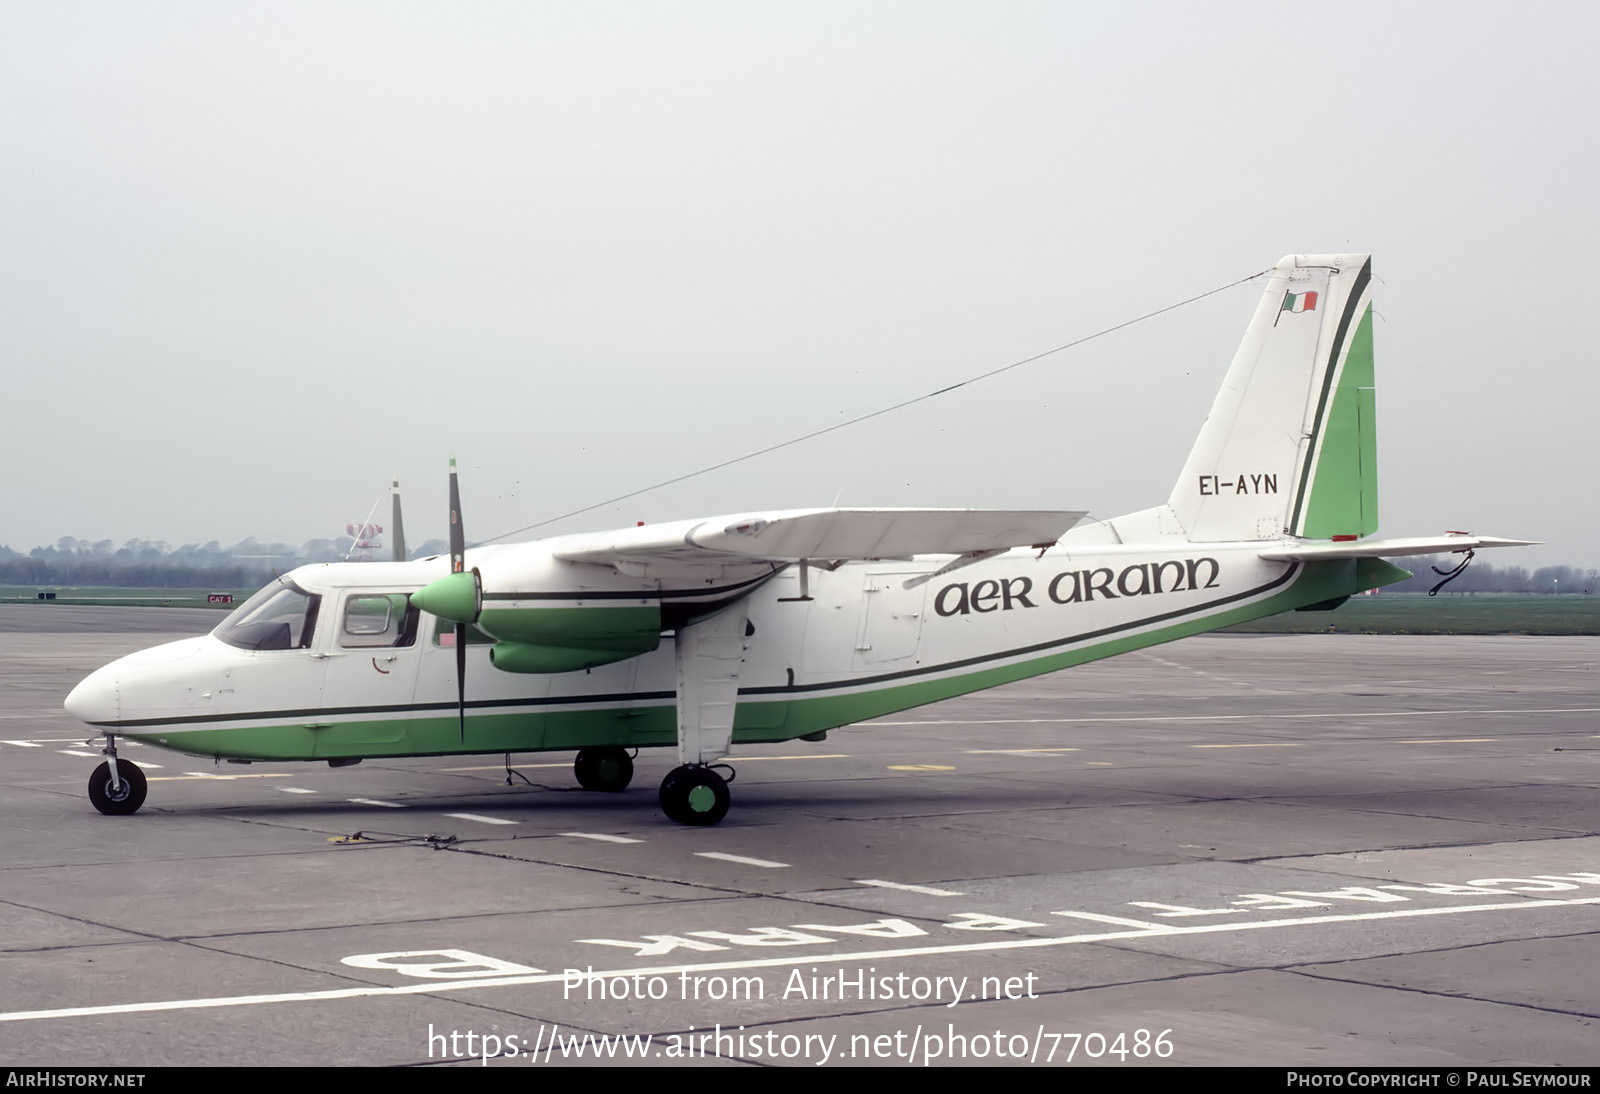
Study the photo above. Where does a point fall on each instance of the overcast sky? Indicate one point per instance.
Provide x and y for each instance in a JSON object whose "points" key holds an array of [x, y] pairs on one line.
{"points": [[258, 259]]}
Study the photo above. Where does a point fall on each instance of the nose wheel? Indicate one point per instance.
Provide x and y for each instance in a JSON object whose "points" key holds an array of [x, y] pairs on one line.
{"points": [[694, 795], [119, 797]]}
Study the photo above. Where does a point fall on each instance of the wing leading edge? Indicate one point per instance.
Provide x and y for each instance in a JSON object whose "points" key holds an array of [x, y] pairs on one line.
{"points": [[796, 535]]}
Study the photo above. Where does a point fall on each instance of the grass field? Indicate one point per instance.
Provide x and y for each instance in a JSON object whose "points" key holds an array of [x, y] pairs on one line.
{"points": [[1442, 614]]}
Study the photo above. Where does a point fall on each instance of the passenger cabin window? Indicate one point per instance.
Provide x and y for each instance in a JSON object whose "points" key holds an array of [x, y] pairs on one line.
{"points": [[378, 619], [283, 616]]}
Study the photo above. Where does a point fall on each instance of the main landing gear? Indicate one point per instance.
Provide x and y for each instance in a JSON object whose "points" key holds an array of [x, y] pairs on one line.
{"points": [[117, 787], [694, 794], [607, 768]]}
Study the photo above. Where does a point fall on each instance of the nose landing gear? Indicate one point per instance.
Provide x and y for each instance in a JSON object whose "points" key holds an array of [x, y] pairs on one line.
{"points": [[117, 787]]}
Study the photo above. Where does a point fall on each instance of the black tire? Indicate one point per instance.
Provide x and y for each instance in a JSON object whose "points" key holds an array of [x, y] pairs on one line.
{"points": [[608, 769], [669, 797], [695, 796], [127, 798]]}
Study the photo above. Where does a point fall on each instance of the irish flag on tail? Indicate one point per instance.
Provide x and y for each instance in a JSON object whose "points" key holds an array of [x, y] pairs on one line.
{"points": [[1299, 301]]}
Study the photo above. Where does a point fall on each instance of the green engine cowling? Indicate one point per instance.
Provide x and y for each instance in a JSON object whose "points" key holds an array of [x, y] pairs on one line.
{"points": [[539, 639], [567, 639]]}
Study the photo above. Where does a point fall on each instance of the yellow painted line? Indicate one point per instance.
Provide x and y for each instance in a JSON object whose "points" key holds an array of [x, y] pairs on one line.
{"points": [[1264, 744], [502, 767], [1449, 741], [214, 778], [919, 767], [748, 759], [989, 751], [1100, 763]]}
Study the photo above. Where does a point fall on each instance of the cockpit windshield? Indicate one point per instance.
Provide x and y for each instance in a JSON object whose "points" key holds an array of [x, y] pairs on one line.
{"points": [[281, 616]]}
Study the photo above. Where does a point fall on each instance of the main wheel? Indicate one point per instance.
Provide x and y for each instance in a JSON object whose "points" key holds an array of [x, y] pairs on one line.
{"points": [[694, 795], [126, 798], [607, 768]]}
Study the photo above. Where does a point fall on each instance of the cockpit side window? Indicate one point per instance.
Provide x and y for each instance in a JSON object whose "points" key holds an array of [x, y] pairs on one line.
{"points": [[281, 616], [378, 619]]}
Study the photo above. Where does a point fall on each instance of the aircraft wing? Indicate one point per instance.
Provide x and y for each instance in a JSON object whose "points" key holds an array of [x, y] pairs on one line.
{"points": [[821, 535], [1389, 548]]}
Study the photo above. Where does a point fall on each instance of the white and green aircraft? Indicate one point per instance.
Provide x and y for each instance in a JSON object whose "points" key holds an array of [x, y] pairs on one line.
{"points": [[774, 626]]}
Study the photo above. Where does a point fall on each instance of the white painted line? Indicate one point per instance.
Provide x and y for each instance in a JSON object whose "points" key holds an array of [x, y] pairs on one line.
{"points": [[75, 752], [480, 820], [216, 778], [1118, 921], [602, 837], [1451, 741], [1228, 717], [720, 856], [926, 890], [1261, 744], [386, 805], [294, 790], [440, 986], [20, 744], [1019, 751], [148, 766]]}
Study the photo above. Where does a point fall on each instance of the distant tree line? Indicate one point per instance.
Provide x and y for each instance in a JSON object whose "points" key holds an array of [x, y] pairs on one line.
{"points": [[1484, 577], [148, 564]]}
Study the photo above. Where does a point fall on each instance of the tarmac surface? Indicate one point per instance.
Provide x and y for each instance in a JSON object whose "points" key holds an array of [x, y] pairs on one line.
{"points": [[1278, 850]]}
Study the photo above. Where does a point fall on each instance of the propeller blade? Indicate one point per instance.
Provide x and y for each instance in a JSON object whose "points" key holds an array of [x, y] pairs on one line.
{"points": [[458, 556], [458, 538], [399, 529], [461, 678]]}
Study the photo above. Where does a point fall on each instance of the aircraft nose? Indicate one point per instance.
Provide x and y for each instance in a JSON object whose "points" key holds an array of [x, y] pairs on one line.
{"points": [[94, 700]]}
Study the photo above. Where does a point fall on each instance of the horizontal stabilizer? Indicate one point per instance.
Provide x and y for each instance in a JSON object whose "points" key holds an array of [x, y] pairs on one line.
{"points": [[820, 534], [1390, 548]]}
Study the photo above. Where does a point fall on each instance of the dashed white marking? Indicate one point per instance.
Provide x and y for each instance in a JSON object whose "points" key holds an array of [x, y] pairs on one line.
{"points": [[1019, 751], [602, 837], [741, 860], [1228, 717], [294, 790], [375, 801], [21, 744], [216, 778], [1451, 741], [926, 890], [1257, 744], [497, 982], [75, 752], [1119, 921], [480, 820]]}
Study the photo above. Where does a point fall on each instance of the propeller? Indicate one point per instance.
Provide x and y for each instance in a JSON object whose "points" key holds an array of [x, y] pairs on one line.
{"points": [[457, 597]]}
